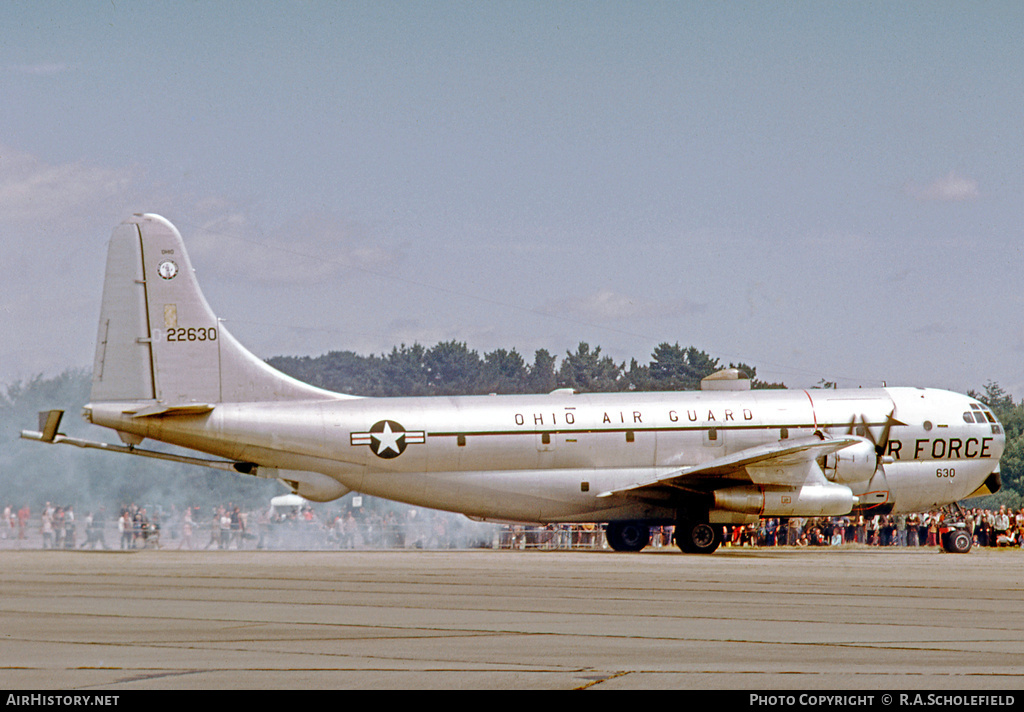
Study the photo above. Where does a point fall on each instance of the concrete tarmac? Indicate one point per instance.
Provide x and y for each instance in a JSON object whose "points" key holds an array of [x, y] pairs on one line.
{"points": [[861, 619]]}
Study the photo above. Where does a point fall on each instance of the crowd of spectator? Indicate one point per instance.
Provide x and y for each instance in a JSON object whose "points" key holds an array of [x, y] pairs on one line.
{"points": [[991, 528], [325, 527]]}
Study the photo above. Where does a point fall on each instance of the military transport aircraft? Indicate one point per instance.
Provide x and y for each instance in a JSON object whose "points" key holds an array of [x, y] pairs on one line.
{"points": [[166, 369]]}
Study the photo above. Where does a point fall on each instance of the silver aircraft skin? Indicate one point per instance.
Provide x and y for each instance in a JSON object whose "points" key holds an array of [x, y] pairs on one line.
{"points": [[168, 371]]}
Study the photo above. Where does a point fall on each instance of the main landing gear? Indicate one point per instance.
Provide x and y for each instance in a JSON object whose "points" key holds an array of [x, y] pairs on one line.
{"points": [[628, 536], [692, 537], [696, 537]]}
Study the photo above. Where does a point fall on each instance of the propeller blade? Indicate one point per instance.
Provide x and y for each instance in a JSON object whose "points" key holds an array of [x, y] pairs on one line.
{"points": [[884, 444], [867, 432]]}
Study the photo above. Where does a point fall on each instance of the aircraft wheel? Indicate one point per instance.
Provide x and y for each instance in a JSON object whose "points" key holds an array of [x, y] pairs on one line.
{"points": [[698, 537], [957, 541], [628, 536]]}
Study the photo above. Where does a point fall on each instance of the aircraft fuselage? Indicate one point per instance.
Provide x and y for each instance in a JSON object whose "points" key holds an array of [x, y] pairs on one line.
{"points": [[549, 457]]}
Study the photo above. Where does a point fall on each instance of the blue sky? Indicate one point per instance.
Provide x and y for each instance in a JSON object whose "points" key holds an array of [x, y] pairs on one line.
{"points": [[823, 190]]}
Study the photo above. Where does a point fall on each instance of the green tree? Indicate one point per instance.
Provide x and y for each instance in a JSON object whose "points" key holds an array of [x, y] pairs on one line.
{"points": [[674, 368], [541, 376], [452, 368], [755, 384], [404, 372], [587, 371], [504, 372], [339, 371]]}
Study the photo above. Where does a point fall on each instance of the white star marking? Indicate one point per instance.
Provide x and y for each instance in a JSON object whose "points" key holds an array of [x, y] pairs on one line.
{"points": [[388, 440]]}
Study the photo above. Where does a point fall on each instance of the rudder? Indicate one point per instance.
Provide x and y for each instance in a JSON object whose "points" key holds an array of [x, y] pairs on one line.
{"points": [[122, 369]]}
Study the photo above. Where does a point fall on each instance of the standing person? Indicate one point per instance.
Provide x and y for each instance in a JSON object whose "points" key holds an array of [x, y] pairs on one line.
{"points": [[94, 530], [23, 515], [901, 529], [186, 529], [139, 529], [69, 527], [1000, 524], [933, 529], [796, 530], [912, 525], [214, 530], [46, 528], [57, 521], [124, 526], [89, 534], [990, 526], [225, 529], [236, 527], [860, 530]]}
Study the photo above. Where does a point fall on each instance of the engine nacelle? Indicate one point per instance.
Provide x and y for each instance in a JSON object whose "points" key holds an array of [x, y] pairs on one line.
{"points": [[818, 500], [314, 486], [854, 463]]}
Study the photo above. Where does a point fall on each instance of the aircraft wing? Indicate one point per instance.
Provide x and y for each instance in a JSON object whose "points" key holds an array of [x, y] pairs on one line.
{"points": [[786, 462]]}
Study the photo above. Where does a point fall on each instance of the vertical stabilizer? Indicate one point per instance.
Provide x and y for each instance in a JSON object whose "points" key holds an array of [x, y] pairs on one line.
{"points": [[158, 338], [123, 369]]}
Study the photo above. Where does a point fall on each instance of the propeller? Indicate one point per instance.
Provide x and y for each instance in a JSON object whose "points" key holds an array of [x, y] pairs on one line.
{"points": [[881, 444]]}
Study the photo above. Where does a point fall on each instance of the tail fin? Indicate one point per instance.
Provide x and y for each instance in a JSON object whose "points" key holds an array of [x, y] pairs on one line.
{"points": [[159, 340]]}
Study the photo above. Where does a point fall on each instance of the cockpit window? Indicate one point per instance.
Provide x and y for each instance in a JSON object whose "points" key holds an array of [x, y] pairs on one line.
{"points": [[978, 415]]}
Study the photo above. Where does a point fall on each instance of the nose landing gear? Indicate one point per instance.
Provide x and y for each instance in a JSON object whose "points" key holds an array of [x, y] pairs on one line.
{"points": [[953, 534], [955, 539]]}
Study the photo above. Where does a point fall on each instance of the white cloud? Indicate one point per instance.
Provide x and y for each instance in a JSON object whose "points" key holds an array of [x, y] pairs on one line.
{"points": [[312, 249], [606, 305], [32, 190], [951, 188]]}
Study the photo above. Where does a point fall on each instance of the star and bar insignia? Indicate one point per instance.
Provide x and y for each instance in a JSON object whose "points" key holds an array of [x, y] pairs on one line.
{"points": [[388, 439]]}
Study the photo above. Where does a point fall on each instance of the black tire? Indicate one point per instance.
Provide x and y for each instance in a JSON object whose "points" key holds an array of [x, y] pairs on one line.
{"points": [[698, 537], [627, 536], [957, 541]]}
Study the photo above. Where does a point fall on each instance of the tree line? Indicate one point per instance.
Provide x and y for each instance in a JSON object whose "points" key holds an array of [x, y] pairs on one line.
{"points": [[452, 368]]}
